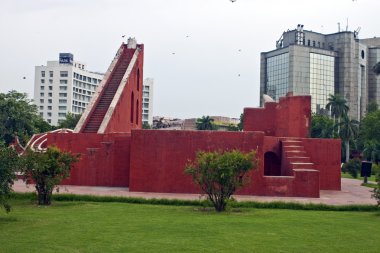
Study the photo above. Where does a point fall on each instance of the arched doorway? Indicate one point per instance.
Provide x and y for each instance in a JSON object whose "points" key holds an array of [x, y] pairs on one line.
{"points": [[272, 164]]}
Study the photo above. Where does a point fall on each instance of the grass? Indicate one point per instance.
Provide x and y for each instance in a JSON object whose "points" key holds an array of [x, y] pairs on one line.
{"points": [[347, 175], [122, 227]]}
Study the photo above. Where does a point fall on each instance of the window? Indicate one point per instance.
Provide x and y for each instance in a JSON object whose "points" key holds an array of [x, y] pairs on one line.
{"points": [[49, 120], [308, 43], [42, 87], [41, 114], [62, 101], [63, 81], [41, 107], [50, 87], [319, 44], [62, 107], [146, 99], [145, 94], [42, 101], [138, 82], [64, 74], [51, 73], [62, 115], [43, 73], [313, 43], [146, 87], [50, 94], [50, 81], [132, 105], [63, 94], [62, 87], [321, 80], [137, 111], [42, 94], [277, 71], [42, 80], [49, 107], [49, 114], [50, 101]]}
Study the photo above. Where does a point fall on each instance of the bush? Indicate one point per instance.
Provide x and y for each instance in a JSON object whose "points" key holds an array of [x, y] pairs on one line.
{"points": [[47, 170], [221, 173], [9, 163], [376, 191], [352, 167], [375, 169]]}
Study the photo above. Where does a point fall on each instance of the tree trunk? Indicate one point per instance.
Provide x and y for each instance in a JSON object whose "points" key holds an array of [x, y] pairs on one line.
{"points": [[339, 126], [347, 150]]}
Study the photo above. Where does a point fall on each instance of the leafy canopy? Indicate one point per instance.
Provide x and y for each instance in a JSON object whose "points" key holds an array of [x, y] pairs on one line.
{"points": [[47, 170], [220, 173], [18, 117], [9, 163]]}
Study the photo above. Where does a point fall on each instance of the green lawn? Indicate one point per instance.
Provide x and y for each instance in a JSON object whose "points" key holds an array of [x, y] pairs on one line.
{"points": [[347, 175], [120, 227]]}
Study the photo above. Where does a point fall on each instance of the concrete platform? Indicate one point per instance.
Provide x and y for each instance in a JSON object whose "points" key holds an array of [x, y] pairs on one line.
{"points": [[352, 193]]}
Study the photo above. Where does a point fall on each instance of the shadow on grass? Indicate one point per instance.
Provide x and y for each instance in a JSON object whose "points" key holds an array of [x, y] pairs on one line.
{"points": [[5, 220]]}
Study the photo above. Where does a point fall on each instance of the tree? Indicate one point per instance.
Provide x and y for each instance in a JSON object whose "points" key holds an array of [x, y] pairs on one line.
{"points": [[232, 127], [370, 127], [338, 107], [9, 163], [47, 170], [70, 121], [18, 117], [349, 131], [371, 150], [219, 174], [372, 106], [146, 125], [241, 123], [322, 126], [376, 68], [205, 123]]}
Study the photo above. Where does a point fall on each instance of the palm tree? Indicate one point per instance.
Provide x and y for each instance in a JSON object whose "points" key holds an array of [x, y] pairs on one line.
{"points": [[349, 131], [338, 107], [205, 123]]}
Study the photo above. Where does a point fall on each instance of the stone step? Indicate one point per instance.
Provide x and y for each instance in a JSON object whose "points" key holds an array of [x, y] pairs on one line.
{"points": [[302, 165]]}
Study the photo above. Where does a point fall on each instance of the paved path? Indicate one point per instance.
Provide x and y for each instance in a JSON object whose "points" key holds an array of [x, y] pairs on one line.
{"points": [[352, 193]]}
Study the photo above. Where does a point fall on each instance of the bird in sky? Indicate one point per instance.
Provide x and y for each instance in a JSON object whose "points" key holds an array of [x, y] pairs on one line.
{"points": [[239, 50], [24, 77], [187, 36], [233, 1], [173, 53], [123, 36]]}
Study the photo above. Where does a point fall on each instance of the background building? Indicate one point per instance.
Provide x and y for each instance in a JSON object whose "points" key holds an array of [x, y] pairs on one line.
{"points": [[310, 63], [63, 86], [147, 113]]}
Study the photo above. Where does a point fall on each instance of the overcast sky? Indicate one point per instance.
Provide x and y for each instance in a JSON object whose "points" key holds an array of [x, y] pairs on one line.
{"points": [[202, 77]]}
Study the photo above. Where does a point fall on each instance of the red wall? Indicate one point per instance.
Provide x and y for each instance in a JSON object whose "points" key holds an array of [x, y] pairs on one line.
{"points": [[326, 156], [120, 120], [104, 159], [158, 157], [288, 118]]}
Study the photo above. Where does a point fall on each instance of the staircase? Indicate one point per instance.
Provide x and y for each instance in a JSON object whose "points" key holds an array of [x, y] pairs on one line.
{"points": [[294, 156], [105, 99]]}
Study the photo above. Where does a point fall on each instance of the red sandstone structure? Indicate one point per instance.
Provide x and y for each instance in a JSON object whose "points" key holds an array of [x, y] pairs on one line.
{"points": [[115, 151]]}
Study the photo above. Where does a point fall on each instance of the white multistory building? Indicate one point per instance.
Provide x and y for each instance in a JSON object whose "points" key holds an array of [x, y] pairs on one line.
{"points": [[63, 86], [147, 106]]}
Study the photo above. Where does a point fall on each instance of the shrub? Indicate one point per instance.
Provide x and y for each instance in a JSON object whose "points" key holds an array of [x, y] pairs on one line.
{"points": [[352, 167], [376, 191], [47, 170], [375, 169], [9, 163], [221, 173]]}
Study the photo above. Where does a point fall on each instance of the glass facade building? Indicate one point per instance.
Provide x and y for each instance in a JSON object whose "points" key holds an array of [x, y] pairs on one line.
{"points": [[321, 80], [277, 70]]}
